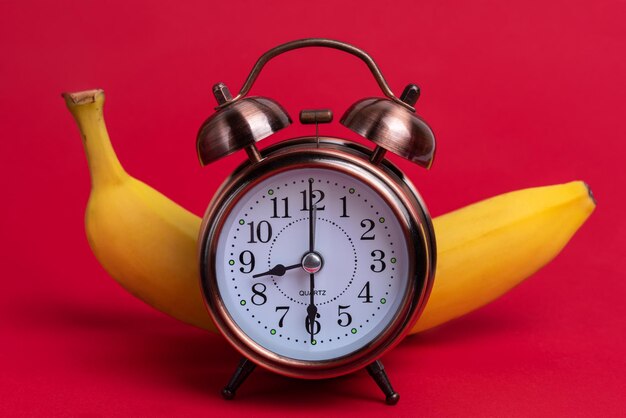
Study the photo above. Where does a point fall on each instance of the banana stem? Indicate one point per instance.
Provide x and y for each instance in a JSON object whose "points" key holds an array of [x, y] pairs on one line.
{"points": [[86, 108]]}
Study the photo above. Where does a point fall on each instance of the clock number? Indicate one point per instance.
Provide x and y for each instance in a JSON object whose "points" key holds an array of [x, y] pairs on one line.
{"points": [[242, 259], [369, 224], [263, 232], [378, 260], [346, 316], [317, 194], [312, 326], [365, 293], [259, 297], [344, 205], [285, 206], [282, 318]]}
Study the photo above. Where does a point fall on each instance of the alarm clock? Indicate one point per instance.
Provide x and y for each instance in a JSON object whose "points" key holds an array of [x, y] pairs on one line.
{"points": [[317, 255]]}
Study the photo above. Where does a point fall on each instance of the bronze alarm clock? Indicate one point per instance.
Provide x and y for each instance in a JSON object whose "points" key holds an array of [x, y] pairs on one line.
{"points": [[317, 255]]}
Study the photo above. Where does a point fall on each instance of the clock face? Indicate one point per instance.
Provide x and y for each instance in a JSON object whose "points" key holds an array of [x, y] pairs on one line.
{"points": [[312, 264]]}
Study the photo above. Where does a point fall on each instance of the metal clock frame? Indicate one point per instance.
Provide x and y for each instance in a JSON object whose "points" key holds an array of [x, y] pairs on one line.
{"points": [[386, 180]]}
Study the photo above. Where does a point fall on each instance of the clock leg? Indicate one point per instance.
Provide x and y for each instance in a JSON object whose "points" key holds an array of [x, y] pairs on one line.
{"points": [[241, 374], [377, 371]]}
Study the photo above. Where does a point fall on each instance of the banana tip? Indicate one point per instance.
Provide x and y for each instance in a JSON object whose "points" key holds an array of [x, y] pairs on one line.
{"points": [[591, 196]]}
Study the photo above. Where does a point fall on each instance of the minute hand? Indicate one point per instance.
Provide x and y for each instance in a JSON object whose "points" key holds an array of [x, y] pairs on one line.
{"points": [[312, 218]]}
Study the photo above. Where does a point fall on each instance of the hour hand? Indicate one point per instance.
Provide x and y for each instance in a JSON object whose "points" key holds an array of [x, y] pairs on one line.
{"points": [[277, 270]]}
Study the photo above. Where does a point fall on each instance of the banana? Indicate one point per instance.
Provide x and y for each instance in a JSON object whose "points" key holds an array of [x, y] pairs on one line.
{"points": [[143, 240], [486, 249], [148, 243]]}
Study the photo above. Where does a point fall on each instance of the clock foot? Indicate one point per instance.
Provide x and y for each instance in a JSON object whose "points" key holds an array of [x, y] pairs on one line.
{"points": [[241, 374], [377, 371]]}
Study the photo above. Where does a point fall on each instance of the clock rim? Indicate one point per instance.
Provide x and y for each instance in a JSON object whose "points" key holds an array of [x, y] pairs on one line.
{"points": [[343, 156]]}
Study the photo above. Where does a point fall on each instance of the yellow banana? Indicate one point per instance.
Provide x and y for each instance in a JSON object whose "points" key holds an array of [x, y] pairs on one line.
{"points": [[486, 249], [148, 243], [143, 240]]}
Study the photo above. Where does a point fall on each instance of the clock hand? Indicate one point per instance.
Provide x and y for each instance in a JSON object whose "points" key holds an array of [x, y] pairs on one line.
{"points": [[311, 309], [277, 270], [312, 216]]}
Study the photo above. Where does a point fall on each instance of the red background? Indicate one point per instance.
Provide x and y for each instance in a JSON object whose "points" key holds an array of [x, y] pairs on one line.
{"points": [[519, 93]]}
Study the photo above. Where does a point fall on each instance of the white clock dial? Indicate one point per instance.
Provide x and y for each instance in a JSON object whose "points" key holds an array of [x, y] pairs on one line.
{"points": [[358, 270]]}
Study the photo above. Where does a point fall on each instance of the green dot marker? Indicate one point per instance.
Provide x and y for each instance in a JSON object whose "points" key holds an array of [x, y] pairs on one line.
{"points": [[241, 222], [242, 302], [383, 301], [381, 220], [273, 331], [353, 330], [393, 260], [270, 192], [351, 190], [314, 342], [231, 262]]}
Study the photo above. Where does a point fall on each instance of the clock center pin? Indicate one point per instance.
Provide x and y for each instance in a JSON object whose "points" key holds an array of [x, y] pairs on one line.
{"points": [[312, 262]]}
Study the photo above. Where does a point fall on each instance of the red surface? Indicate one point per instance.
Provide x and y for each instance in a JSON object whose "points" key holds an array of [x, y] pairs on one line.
{"points": [[520, 93]]}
